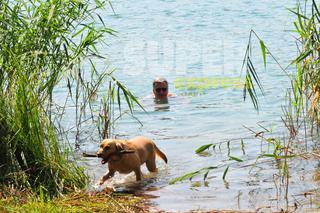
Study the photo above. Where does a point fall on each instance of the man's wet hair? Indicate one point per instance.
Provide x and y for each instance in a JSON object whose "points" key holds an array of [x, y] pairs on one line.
{"points": [[160, 80]]}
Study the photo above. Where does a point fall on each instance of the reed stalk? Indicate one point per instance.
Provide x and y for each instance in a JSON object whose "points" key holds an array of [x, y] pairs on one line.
{"points": [[43, 47]]}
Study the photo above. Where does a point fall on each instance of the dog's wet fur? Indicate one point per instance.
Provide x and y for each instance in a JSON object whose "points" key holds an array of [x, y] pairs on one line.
{"points": [[127, 156]]}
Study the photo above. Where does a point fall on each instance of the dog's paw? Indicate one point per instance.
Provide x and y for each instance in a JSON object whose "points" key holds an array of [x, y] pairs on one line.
{"points": [[101, 181]]}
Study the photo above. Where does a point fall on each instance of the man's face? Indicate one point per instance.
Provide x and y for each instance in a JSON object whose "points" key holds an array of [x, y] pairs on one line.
{"points": [[160, 90]]}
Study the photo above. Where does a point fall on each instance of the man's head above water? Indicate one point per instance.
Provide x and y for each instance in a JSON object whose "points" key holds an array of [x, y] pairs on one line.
{"points": [[160, 88]]}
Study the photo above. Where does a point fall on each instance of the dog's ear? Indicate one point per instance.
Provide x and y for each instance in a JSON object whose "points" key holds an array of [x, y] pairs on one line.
{"points": [[119, 146]]}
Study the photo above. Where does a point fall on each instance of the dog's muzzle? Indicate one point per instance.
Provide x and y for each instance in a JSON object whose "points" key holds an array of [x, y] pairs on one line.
{"points": [[104, 159]]}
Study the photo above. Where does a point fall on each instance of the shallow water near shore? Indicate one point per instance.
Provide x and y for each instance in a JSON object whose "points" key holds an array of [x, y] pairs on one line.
{"points": [[207, 39]]}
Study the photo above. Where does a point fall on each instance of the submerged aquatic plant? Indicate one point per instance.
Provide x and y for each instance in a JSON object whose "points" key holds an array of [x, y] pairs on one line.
{"points": [[43, 47], [205, 171]]}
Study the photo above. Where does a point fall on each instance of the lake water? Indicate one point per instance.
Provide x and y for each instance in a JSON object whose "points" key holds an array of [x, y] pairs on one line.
{"points": [[183, 40]]}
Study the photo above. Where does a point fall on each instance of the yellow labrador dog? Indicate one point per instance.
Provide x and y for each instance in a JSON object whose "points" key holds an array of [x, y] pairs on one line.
{"points": [[126, 156]]}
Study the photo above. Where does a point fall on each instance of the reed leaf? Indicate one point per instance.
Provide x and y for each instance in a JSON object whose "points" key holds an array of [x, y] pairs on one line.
{"points": [[190, 175], [203, 148], [43, 47], [264, 54], [225, 173], [187, 176], [235, 159]]}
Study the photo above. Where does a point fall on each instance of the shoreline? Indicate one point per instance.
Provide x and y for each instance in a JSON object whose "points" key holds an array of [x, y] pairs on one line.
{"points": [[24, 200]]}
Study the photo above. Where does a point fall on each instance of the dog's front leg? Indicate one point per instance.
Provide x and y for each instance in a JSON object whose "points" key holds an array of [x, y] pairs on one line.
{"points": [[106, 177], [138, 174]]}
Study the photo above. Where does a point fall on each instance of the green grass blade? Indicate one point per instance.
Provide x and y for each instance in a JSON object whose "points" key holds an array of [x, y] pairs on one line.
{"points": [[203, 148], [235, 159], [264, 54], [225, 173], [184, 177]]}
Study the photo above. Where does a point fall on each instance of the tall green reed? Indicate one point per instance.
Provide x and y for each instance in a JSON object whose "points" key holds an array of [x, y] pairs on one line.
{"points": [[305, 91], [43, 47], [306, 88]]}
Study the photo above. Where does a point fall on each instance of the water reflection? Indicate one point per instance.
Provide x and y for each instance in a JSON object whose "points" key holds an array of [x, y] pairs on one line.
{"points": [[189, 121], [161, 104]]}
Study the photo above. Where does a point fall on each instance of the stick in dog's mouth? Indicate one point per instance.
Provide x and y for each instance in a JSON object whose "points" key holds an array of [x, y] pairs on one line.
{"points": [[89, 155], [105, 160]]}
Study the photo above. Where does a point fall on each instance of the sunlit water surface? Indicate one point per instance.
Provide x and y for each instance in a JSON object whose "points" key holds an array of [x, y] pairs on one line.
{"points": [[205, 39]]}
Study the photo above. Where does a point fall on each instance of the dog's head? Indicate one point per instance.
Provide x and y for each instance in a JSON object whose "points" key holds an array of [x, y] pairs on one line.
{"points": [[109, 147]]}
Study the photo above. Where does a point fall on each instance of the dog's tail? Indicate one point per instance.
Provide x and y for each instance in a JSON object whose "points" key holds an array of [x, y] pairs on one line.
{"points": [[160, 154]]}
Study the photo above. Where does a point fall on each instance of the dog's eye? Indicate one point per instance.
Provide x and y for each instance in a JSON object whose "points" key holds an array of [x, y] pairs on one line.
{"points": [[106, 147]]}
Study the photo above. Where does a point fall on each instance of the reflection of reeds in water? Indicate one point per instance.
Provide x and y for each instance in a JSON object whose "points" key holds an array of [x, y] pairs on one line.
{"points": [[43, 45]]}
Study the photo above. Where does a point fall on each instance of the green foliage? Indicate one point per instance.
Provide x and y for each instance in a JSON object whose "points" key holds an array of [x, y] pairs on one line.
{"points": [[304, 98], [306, 87], [190, 175], [225, 173], [235, 158], [204, 147], [43, 47], [251, 73], [264, 53], [72, 202], [205, 171]]}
